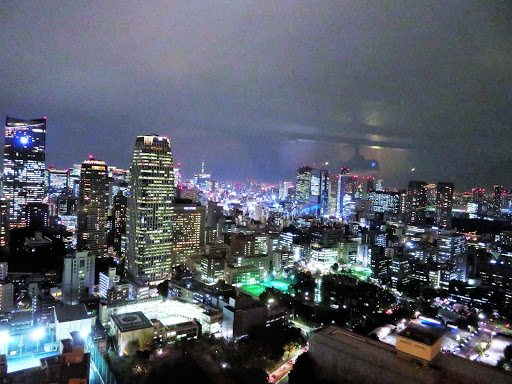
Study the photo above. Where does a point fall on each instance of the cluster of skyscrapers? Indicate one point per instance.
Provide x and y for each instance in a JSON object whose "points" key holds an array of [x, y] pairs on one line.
{"points": [[338, 194], [129, 215]]}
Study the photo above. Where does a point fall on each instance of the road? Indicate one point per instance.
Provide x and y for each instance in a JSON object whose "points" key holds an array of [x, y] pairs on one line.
{"points": [[495, 352], [280, 375]]}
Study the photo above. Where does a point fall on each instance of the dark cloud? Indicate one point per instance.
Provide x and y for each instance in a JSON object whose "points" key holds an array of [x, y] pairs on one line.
{"points": [[260, 87]]}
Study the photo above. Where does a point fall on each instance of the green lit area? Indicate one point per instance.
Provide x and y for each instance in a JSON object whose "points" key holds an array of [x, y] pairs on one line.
{"points": [[361, 273], [281, 285], [256, 290]]}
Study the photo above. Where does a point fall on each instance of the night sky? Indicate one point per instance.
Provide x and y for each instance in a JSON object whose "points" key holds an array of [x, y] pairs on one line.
{"points": [[261, 87]]}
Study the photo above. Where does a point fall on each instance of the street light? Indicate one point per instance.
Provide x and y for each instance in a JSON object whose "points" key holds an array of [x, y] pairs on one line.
{"points": [[37, 334]]}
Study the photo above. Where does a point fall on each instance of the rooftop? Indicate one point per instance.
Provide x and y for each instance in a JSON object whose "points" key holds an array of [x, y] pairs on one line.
{"points": [[67, 313], [424, 333], [132, 321]]}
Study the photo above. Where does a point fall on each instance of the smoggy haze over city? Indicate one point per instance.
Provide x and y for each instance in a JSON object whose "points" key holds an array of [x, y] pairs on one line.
{"points": [[261, 87]]}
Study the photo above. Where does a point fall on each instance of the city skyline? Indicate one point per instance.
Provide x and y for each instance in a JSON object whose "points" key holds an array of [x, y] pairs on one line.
{"points": [[260, 88]]}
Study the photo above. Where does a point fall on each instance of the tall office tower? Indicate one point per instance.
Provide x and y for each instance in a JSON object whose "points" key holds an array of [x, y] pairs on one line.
{"points": [[284, 187], [444, 203], [118, 226], [333, 195], [24, 166], [346, 193], [213, 221], [303, 184], [416, 202], [57, 182], [74, 179], [93, 208], [189, 227], [314, 187], [151, 209], [177, 175], [77, 277], [323, 197]]}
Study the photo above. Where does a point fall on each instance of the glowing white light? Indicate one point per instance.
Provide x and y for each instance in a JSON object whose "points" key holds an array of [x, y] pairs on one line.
{"points": [[37, 333], [24, 140]]}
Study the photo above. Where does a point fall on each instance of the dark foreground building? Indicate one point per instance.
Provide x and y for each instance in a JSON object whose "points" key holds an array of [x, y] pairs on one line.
{"points": [[344, 357]]}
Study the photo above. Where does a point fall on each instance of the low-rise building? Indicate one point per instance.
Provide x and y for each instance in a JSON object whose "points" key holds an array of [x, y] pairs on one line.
{"points": [[71, 318], [132, 331], [185, 330]]}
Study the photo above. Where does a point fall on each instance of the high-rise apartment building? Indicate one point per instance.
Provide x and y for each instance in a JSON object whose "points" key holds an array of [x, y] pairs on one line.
{"points": [[303, 184], [151, 209], [416, 202], [93, 208], [24, 166], [444, 203]]}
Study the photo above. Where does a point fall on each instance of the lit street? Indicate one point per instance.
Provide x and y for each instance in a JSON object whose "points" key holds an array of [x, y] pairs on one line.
{"points": [[495, 352], [280, 375]]}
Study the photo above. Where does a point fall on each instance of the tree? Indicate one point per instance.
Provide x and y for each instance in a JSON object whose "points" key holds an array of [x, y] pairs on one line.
{"points": [[303, 371], [163, 289], [146, 340], [507, 352], [335, 267]]}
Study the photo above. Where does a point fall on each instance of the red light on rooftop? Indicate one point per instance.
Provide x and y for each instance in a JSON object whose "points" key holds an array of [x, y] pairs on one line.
{"points": [[91, 157], [44, 117]]}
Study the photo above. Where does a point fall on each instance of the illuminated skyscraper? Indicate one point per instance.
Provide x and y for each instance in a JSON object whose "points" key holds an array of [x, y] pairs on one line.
{"points": [[319, 195], [93, 208], [303, 184], [416, 202], [444, 202], [189, 225], [24, 166], [346, 193], [150, 209], [57, 182]]}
